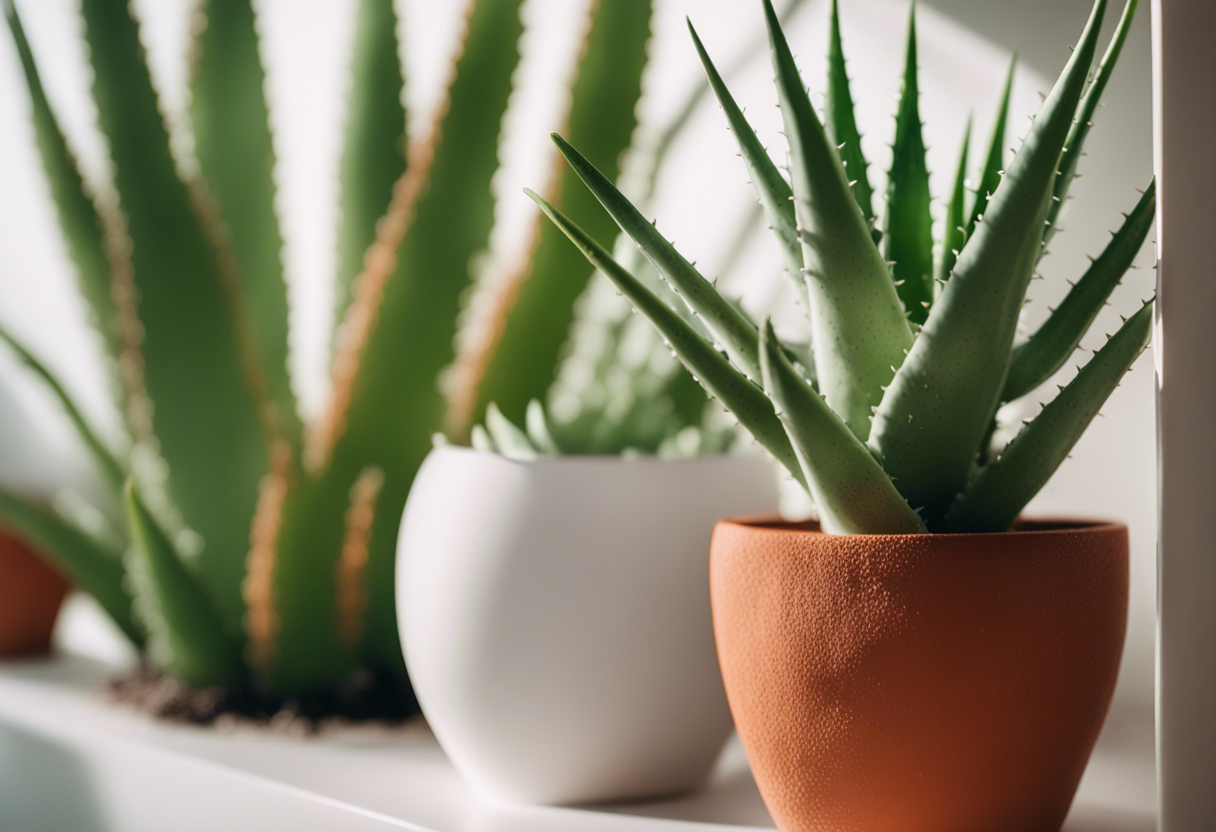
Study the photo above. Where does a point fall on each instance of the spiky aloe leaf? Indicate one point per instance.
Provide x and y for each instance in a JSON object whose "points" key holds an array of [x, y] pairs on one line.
{"points": [[858, 324], [994, 163], [207, 421], [78, 215], [840, 122], [774, 192], [1001, 490], [954, 233], [519, 364], [1084, 118], [850, 489], [373, 155], [908, 235], [87, 562], [386, 404], [106, 461], [738, 335], [936, 411], [236, 155], [187, 636], [618, 386], [736, 392], [1036, 360], [309, 593]]}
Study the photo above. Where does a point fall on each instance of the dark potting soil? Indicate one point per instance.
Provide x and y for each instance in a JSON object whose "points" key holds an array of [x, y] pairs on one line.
{"points": [[367, 698]]}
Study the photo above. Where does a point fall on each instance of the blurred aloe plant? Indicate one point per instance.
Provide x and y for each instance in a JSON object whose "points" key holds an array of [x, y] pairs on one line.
{"points": [[242, 546], [912, 361]]}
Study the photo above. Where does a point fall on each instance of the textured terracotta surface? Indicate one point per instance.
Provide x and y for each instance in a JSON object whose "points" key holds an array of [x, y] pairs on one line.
{"points": [[30, 596], [927, 683]]}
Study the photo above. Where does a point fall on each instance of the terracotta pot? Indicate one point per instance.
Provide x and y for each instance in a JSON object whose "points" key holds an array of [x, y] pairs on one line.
{"points": [[31, 593], [919, 682]]}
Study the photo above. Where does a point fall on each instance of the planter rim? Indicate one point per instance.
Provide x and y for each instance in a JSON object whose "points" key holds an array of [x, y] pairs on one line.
{"points": [[607, 460], [770, 523]]}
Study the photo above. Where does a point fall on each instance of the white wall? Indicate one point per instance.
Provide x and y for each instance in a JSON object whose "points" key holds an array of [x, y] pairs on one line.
{"points": [[964, 49]]}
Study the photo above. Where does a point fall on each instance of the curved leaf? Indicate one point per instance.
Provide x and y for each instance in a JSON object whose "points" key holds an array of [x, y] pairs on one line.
{"points": [[858, 324], [236, 155], [840, 123], [373, 154], [850, 489], [207, 421], [521, 364], [737, 393], [1084, 119], [935, 413], [87, 562], [1037, 359], [998, 493], [187, 636]]}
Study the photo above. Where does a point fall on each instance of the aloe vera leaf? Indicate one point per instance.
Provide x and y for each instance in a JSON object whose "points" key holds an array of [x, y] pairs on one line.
{"points": [[187, 636], [850, 489], [78, 215], [601, 121], [207, 420], [1084, 118], [537, 425], [85, 561], [774, 192], [1001, 490], [738, 335], [840, 123], [479, 440], [720, 378], [908, 235], [858, 324], [106, 461], [953, 231], [1037, 359], [294, 627], [994, 163], [512, 441], [386, 405], [373, 155], [929, 426], [675, 126], [236, 155]]}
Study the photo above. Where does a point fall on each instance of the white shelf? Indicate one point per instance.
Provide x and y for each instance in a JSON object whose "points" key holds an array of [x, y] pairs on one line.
{"points": [[70, 761]]}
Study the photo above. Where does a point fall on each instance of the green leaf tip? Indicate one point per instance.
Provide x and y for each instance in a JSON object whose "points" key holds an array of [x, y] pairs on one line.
{"points": [[91, 564], [858, 324], [1040, 356], [937, 409], [713, 371], [995, 497], [188, 638], [840, 120], [908, 236], [850, 489], [737, 334]]}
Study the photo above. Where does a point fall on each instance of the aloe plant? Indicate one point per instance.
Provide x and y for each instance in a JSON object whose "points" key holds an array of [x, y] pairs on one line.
{"points": [[238, 545], [891, 435]]}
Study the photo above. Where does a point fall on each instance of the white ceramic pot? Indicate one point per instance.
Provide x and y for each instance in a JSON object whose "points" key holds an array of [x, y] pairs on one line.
{"points": [[556, 623]]}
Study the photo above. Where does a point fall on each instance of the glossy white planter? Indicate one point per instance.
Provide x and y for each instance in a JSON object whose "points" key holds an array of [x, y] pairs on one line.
{"points": [[555, 618]]}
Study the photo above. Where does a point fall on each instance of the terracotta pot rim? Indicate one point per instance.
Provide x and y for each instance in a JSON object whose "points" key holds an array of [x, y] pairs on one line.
{"points": [[599, 459], [1032, 527]]}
